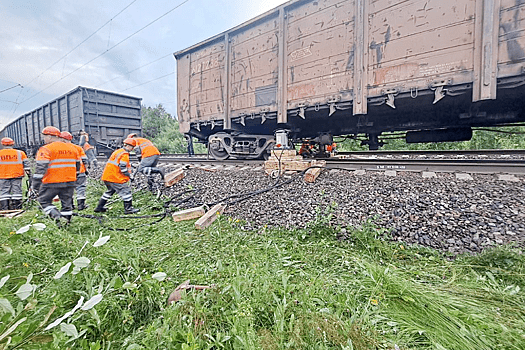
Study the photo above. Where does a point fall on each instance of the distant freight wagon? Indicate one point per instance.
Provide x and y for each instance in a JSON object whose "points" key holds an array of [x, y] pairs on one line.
{"points": [[106, 116], [426, 70]]}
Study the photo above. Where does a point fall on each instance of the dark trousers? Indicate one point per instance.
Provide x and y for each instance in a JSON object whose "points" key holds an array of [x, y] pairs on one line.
{"points": [[46, 195]]}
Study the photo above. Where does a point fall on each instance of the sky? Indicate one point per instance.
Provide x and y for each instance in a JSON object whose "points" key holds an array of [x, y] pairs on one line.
{"points": [[50, 47]]}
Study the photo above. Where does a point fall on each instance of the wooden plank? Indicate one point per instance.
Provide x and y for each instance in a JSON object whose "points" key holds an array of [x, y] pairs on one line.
{"points": [[210, 216], [173, 177], [189, 214], [312, 174]]}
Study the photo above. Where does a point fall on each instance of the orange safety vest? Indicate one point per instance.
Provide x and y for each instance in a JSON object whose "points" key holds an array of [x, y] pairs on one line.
{"points": [[82, 156], [62, 159], [112, 171], [11, 163], [146, 147]]}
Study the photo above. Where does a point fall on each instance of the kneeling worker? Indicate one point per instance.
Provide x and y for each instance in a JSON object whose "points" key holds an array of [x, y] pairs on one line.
{"points": [[81, 177], [13, 165], [149, 156], [57, 165], [116, 175]]}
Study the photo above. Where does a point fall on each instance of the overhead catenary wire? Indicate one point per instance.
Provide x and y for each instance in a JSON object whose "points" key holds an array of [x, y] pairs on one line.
{"points": [[106, 51], [73, 49]]}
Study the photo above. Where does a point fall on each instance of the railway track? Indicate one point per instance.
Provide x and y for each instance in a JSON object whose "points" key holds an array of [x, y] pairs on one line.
{"points": [[476, 162], [380, 161]]}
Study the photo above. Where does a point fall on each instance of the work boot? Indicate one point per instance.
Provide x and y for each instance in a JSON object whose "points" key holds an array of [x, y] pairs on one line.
{"points": [[100, 207], [158, 171], [128, 208], [16, 203], [81, 204], [4, 205]]}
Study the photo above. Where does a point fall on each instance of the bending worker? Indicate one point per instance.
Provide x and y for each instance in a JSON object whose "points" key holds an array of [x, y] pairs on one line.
{"points": [[116, 175], [81, 177], [88, 149], [57, 165], [149, 156], [13, 165]]}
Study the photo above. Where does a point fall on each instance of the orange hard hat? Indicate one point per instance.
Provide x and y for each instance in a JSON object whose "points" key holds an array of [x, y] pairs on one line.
{"points": [[7, 141], [51, 130], [132, 135], [66, 135], [130, 142]]}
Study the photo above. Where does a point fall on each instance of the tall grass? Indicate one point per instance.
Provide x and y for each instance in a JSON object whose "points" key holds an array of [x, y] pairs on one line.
{"points": [[271, 289]]}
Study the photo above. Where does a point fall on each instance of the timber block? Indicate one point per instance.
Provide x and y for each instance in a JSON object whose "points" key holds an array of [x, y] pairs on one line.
{"points": [[312, 174], [173, 177], [210, 216], [189, 214], [283, 152]]}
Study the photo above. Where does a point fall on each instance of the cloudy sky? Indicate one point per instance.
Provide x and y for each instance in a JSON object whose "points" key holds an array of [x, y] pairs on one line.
{"points": [[49, 47]]}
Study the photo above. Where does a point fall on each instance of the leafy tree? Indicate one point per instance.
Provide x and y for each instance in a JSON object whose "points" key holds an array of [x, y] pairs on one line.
{"points": [[163, 130]]}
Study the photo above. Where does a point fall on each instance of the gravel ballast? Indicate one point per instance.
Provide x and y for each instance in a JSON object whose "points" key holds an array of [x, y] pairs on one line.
{"points": [[441, 212]]}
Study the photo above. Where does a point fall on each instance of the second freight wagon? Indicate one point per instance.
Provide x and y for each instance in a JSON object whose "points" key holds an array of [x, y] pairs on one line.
{"points": [[106, 116]]}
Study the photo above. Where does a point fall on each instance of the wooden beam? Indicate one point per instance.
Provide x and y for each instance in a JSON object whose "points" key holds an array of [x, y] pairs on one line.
{"points": [[210, 216], [173, 177], [189, 214]]}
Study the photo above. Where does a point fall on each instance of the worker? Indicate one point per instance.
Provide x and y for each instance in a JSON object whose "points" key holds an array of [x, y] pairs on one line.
{"points": [[88, 149], [80, 186], [116, 175], [57, 165], [13, 164], [149, 157], [305, 150]]}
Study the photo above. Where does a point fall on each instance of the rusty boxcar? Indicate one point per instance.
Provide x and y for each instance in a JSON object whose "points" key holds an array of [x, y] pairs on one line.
{"points": [[106, 116], [431, 69]]}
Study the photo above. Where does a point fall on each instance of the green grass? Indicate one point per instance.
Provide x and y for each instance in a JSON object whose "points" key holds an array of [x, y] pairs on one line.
{"points": [[272, 289]]}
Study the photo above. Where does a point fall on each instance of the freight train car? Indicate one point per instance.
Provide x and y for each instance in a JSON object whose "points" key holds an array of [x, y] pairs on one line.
{"points": [[106, 116], [430, 70]]}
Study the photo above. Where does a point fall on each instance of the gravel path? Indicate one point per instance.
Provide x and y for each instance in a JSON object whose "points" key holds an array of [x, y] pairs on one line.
{"points": [[444, 213]]}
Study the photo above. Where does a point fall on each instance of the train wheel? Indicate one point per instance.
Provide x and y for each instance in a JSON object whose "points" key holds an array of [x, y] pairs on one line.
{"points": [[218, 154]]}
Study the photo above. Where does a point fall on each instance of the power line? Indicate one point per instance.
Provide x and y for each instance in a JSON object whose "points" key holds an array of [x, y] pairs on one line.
{"points": [[149, 81], [12, 87], [131, 71], [48, 68], [86, 39], [103, 53]]}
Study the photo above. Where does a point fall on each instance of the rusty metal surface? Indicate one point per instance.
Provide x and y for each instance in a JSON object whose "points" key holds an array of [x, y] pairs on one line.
{"points": [[307, 53]]}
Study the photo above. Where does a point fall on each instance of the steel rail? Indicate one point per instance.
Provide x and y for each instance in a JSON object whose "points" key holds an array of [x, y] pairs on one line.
{"points": [[493, 166]]}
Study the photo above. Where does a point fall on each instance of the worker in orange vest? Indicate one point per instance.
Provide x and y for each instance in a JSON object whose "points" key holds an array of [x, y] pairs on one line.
{"points": [[57, 165], [149, 157], [88, 149], [116, 175], [80, 186], [13, 165]]}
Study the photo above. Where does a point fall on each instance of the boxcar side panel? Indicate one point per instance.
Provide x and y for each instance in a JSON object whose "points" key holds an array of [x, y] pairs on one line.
{"points": [[206, 82], [511, 49], [414, 43], [320, 46]]}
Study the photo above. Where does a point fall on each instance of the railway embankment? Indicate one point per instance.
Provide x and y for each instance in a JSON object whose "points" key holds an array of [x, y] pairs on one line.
{"points": [[451, 213]]}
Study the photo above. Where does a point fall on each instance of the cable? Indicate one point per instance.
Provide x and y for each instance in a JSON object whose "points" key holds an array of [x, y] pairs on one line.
{"points": [[111, 48], [12, 87], [131, 71], [149, 81]]}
